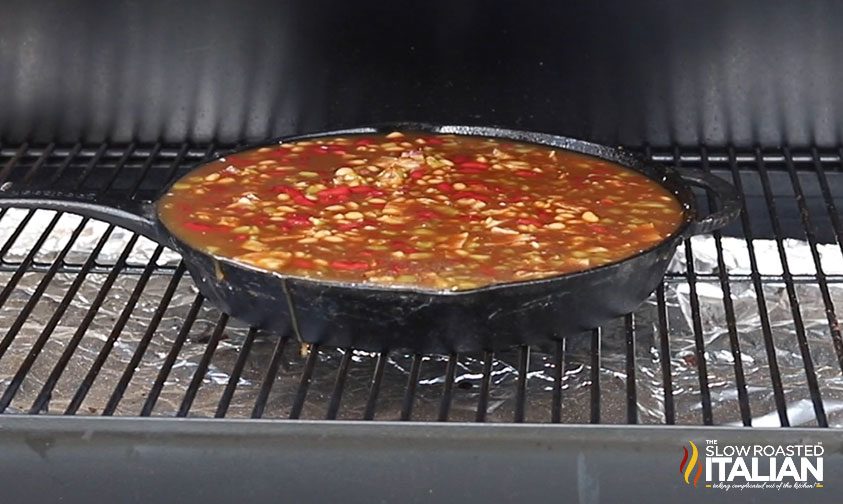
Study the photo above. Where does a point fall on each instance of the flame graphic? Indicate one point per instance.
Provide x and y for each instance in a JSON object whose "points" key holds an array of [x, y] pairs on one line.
{"points": [[687, 470]]}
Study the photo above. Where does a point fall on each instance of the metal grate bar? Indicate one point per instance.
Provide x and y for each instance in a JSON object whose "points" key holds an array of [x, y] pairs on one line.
{"points": [[729, 308], [485, 386], [410, 392], [664, 358], [810, 374], [172, 355], [833, 214], [143, 344], [375, 386], [339, 385], [72, 154], [42, 158], [29, 259], [96, 366], [202, 368], [521, 389], [558, 373], [448, 388], [269, 378], [96, 160], [808, 227], [45, 333], [39, 291], [41, 401], [127, 154], [17, 155], [769, 345], [631, 392], [304, 384], [699, 347], [595, 376], [236, 373]]}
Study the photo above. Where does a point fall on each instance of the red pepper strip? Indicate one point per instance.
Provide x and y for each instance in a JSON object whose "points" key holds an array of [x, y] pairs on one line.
{"points": [[474, 165], [298, 262], [350, 265], [367, 190], [417, 173], [297, 196], [606, 202], [529, 221], [363, 141], [198, 226], [348, 226], [444, 187], [334, 194], [298, 220], [526, 173], [470, 194]]}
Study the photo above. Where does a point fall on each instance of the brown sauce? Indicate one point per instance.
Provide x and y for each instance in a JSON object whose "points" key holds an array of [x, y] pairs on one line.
{"points": [[419, 210]]}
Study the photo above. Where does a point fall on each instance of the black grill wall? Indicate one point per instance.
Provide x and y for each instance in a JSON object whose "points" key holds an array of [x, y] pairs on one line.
{"points": [[656, 71]]}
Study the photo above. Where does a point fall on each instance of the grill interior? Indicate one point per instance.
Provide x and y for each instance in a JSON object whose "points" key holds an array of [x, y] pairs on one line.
{"points": [[98, 321]]}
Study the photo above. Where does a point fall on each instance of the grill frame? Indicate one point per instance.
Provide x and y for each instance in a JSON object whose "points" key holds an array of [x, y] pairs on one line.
{"points": [[98, 458], [22, 163]]}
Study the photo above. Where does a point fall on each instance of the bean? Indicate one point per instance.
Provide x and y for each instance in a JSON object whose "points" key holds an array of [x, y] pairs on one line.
{"points": [[590, 217]]}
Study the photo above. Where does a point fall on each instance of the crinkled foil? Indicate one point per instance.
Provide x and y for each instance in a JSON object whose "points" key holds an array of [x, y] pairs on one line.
{"points": [[131, 327]]}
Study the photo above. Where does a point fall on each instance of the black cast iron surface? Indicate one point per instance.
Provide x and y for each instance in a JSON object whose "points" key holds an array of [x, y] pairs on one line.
{"points": [[377, 319], [89, 332]]}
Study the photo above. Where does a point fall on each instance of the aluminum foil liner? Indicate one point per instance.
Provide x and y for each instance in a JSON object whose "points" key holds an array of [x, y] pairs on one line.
{"points": [[130, 326]]}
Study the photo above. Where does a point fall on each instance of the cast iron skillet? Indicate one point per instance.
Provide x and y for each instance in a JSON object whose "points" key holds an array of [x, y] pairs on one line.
{"points": [[376, 318]]}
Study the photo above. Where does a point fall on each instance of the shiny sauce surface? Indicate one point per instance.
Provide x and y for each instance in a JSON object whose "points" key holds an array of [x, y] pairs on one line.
{"points": [[439, 212]]}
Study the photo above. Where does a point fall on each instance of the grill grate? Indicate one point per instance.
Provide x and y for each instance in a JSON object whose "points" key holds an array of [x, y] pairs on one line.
{"points": [[116, 328]]}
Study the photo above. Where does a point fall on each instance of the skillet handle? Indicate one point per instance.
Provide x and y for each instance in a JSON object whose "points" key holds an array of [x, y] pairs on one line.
{"points": [[137, 216], [730, 201]]}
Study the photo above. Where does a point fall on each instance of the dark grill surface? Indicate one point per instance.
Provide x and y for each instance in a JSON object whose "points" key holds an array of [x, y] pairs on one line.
{"points": [[116, 328]]}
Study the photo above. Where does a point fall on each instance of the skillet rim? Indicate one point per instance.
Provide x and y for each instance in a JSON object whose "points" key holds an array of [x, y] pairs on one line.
{"points": [[618, 155]]}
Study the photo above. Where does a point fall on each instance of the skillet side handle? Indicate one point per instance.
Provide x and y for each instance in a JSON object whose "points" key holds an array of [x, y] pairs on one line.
{"points": [[137, 216], [730, 201]]}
